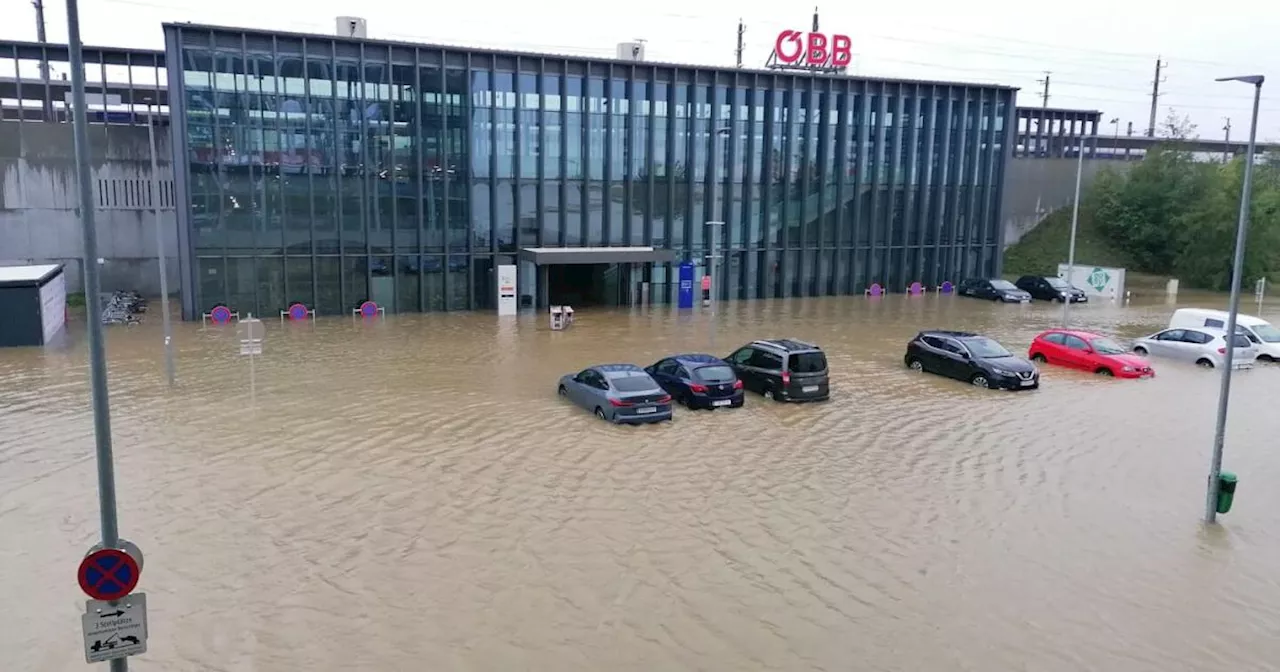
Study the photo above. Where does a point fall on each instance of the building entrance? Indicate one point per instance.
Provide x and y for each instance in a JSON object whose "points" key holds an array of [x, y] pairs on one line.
{"points": [[589, 285]]}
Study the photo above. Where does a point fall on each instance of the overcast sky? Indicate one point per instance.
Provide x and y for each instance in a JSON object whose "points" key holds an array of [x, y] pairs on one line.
{"points": [[1102, 55]]}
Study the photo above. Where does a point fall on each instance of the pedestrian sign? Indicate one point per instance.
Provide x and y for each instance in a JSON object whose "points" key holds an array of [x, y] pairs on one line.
{"points": [[115, 630]]}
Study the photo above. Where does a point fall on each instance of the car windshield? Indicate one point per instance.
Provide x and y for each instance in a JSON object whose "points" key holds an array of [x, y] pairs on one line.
{"points": [[632, 384], [716, 373], [807, 362], [1002, 284], [1267, 333], [1057, 283], [985, 348], [1106, 346]]}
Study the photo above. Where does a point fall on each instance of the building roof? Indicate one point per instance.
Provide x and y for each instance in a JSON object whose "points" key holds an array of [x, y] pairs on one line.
{"points": [[571, 57], [23, 276]]}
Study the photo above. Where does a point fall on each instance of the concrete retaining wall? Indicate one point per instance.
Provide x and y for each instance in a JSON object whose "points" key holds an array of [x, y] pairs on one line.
{"points": [[1037, 187], [39, 219]]}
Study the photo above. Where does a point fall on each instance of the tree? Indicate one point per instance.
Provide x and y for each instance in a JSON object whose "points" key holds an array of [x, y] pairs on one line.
{"points": [[1177, 127]]}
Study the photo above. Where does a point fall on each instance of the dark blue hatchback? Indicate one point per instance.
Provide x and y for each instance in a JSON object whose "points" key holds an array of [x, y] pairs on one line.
{"points": [[698, 381]]}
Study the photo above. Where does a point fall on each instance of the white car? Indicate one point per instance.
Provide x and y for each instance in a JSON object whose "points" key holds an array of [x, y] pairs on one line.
{"points": [[1202, 346], [1261, 332]]}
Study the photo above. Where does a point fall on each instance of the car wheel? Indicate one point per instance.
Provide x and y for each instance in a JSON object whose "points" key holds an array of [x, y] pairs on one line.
{"points": [[562, 392], [1055, 300], [1140, 351], [916, 365], [1105, 373], [980, 380], [1039, 358], [1266, 358], [600, 413], [768, 393], [1205, 363]]}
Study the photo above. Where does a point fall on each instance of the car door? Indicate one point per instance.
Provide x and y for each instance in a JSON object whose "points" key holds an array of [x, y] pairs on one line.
{"points": [[766, 367], [740, 362], [662, 373], [1076, 353], [577, 388], [1052, 346], [1165, 343], [952, 360]]}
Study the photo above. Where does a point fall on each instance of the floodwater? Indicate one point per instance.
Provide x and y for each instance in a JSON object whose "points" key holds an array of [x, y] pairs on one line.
{"points": [[409, 494]]}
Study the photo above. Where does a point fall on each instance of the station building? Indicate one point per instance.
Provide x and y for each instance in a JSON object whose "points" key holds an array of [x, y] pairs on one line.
{"points": [[331, 170]]}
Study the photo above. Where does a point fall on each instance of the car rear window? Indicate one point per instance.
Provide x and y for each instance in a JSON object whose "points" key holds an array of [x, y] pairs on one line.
{"points": [[807, 362], [716, 373], [633, 384]]}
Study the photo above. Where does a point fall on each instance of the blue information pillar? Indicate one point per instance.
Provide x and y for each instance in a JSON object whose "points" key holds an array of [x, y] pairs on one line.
{"points": [[686, 285]]}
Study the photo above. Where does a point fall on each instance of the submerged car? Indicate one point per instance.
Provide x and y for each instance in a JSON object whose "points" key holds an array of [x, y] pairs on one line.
{"points": [[783, 369], [1203, 346], [973, 358], [698, 381], [993, 289], [621, 393], [1051, 288], [1088, 352]]}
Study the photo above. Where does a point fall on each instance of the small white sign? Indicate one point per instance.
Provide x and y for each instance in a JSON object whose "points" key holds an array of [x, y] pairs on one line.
{"points": [[508, 301], [251, 347], [115, 631]]}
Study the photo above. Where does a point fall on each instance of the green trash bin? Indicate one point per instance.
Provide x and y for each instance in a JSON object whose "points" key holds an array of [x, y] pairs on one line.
{"points": [[1226, 491]]}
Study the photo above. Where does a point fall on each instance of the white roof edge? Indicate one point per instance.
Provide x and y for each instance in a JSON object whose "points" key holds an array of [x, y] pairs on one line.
{"points": [[30, 273]]}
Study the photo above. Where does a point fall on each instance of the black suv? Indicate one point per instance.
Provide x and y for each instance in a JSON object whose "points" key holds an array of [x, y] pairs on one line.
{"points": [[1051, 288], [975, 359], [784, 369], [994, 289]]}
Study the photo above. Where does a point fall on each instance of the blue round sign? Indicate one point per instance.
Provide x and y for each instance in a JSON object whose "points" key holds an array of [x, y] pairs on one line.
{"points": [[297, 312], [368, 309], [220, 314]]}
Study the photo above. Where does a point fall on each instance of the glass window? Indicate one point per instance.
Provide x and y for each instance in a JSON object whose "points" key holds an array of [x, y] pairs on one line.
{"points": [[355, 282], [985, 348], [573, 130], [298, 278], [716, 373], [504, 123], [1075, 342], [807, 362], [329, 287], [633, 384], [1056, 338], [408, 275], [271, 296], [433, 282], [481, 217], [481, 125]]}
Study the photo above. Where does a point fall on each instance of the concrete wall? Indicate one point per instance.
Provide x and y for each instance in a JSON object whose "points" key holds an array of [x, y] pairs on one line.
{"points": [[1037, 187], [39, 203]]}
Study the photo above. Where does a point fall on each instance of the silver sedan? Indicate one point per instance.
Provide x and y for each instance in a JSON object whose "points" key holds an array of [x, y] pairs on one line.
{"points": [[620, 393], [1203, 346]]}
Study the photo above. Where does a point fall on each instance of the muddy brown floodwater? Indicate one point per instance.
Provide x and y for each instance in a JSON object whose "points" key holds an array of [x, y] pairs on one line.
{"points": [[411, 495]]}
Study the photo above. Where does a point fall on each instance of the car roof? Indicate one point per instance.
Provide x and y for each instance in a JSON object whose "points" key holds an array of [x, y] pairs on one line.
{"points": [[949, 333], [1086, 335], [697, 358], [619, 370], [787, 344], [1241, 318]]}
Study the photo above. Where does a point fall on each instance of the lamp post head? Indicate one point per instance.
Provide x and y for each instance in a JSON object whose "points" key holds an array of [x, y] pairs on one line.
{"points": [[1255, 80]]}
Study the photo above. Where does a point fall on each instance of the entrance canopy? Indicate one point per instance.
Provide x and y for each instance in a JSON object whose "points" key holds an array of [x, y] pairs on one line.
{"points": [[547, 256]]}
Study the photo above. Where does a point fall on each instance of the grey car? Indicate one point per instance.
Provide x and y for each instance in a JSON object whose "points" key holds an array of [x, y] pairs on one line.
{"points": [[620, 393], [1204, 346]]}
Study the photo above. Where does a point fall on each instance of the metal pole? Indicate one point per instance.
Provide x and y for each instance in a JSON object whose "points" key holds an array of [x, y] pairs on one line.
{"points": [[160, 252], [1237, 269], [714, 231], [1075, 221], [97, 356]]}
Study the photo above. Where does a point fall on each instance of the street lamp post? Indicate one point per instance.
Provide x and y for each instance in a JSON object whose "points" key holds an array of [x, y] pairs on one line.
{"points": [[93, 296], [714, 228], [1237, 269], [160, 252], [1075, 222]]}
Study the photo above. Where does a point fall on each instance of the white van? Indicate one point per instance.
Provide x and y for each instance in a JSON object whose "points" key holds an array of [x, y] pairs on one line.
{"points": [[1258, 330]]}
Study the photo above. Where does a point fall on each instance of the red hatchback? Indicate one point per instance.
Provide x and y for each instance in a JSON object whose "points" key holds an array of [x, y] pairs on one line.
{"points": [[1089, 352]]}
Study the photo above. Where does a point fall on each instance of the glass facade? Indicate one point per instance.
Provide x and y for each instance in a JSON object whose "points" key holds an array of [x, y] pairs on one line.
{"points": [[329, 171]]}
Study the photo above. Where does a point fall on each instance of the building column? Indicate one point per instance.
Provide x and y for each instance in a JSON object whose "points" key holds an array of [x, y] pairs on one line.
{"points": [[544, 287]]}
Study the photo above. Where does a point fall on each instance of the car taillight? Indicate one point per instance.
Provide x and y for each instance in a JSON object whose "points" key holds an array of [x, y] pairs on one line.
{"points": [[737, 384], [619, 403], [666, 399], [694, 387], [1222, 351], [786, 377]]}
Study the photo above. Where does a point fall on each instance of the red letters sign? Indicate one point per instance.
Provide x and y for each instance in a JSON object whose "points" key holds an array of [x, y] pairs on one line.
{"points": [[796, 49]]}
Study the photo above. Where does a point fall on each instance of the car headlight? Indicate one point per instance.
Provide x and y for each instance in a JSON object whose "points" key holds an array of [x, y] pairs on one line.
{"points": [[1128, 369], [1001, 372]]}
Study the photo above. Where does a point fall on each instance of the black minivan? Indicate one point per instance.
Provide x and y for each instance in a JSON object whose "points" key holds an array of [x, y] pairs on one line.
{"points": [[782, 369]]}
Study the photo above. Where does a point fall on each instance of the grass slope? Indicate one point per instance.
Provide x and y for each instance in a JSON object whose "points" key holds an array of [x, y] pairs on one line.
{"points": [[1044, 247]]}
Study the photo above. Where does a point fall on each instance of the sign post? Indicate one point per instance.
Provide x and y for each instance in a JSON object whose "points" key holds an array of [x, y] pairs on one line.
{"points": [[685, 298], [251, 332], [1261, 292], [507, 301], [115, 618]]}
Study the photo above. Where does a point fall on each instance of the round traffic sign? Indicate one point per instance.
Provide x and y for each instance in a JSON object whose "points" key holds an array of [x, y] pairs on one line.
{"points": [[220, 314], [108, 574], [368, 309], [297, 312]]}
